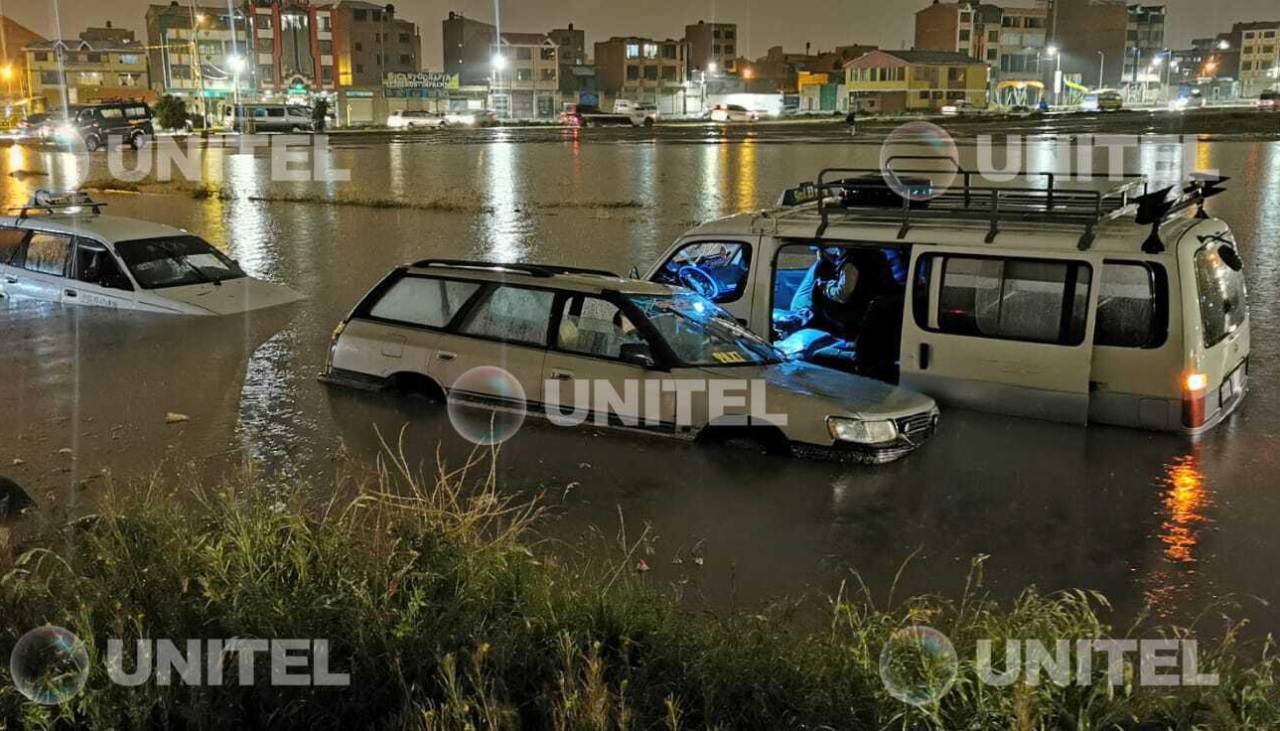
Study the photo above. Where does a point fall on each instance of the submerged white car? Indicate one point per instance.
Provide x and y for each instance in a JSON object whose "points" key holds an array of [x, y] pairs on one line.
{"points": [[65, 250], [591, 347]]}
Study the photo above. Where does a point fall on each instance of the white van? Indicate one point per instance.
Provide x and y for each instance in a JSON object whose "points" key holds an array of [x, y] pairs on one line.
{"points": [[64, 250], [1082, 301]]}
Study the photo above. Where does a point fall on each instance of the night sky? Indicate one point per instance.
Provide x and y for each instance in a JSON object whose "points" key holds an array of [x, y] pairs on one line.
{"points": [[762, 23]]}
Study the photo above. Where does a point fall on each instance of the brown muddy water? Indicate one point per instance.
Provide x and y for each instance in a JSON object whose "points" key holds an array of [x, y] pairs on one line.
{"points": [[1148, 519]]}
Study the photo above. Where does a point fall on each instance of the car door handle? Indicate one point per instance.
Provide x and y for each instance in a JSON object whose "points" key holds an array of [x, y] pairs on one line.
{"points": [[926, 355], [560, 375], [446, 356], [70, 293]]}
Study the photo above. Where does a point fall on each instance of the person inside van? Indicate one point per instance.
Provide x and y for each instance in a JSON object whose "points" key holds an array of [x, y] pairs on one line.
{"points": [[846, 313]]}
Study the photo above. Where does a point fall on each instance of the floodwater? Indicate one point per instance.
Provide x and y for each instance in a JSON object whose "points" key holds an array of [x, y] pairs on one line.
{"points": [[1148, 519]]}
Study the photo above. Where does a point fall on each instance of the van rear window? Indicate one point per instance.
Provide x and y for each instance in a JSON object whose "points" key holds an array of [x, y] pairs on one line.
{"points": [[1133, 309], [10, 243], [1032, 300], [1220, 285]]}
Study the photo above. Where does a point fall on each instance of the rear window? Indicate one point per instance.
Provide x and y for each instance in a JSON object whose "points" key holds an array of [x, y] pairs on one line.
{"points": [[1220, 285], [48, 253], [1032, 300], [1132, 306], [10, 244], [422, 301]]}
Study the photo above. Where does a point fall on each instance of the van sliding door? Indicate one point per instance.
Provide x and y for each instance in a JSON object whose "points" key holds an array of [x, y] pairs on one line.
{"points": [[1008, 334]]}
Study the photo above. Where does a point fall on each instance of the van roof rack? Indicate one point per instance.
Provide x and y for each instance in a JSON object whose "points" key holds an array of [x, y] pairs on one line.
{"points": [[908, 196], [536, 270], [52, 204]]}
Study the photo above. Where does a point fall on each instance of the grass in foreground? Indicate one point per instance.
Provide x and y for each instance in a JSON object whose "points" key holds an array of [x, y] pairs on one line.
{"points": [[436, 602]]}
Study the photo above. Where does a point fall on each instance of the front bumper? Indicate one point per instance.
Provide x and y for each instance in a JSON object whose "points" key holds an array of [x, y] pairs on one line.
{"points": [[913, 432]]}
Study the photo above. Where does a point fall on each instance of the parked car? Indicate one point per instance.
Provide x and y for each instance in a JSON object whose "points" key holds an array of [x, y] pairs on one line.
{"points": [[97, 124], [1268, 101], [1193, 99], [958, 107], [733, 113], [626, 106], [62, 249], [410, 119], [428, 324], [35, 126], [471, 118], [1103, 100], [1117, 304], [269, 117]]}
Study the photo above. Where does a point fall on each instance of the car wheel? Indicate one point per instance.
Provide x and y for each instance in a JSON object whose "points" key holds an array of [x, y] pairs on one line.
{"points": [[414, 385], [92, 143], [648, 121], [138, 141]]}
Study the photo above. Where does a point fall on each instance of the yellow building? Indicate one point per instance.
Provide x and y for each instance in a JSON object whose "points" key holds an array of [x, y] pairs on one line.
{"points": [[80, 73], [894, 82]]}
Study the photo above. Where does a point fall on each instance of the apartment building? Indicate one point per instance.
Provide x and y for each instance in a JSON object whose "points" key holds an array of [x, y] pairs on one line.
{"points": [[62, 72], [369, 42], [293, 51], [1011, 40], [643, 70], [713, 47], [1259, 58], [191, 50], [468, 49], [526, 76], [1108, 43], [915, 81]]}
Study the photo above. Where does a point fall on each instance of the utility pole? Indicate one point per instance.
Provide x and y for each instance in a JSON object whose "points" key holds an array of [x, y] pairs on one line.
{"points": [[195, 64]]}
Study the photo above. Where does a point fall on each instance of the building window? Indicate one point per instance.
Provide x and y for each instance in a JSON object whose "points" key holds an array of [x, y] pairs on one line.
{"points": [[51, 77], [729, 50], [633, 50], [993, 36], [263, 22], [524, 54], [375, 16], [406, 59], [668, 51], [358, 46], [548, 74], [548, 54], [524, 74], [650, 50], [326, 74], [964, 36], [729, 35], [266, 74], [326, 48], [405, 38], [993, 54], [633, 72], [359, 68], [266, 45], [717, 49], [651, 73], [668, 73], [966, 17], [326, 24], [41, 56], [360, 15]]}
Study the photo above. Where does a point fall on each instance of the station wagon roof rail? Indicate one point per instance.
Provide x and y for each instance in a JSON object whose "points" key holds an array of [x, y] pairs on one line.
{"points": [[536, 270], [908, 196], [43, 200]]}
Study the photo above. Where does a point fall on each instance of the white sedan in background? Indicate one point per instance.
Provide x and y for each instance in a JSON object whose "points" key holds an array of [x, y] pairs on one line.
{"points": [[410, 119], [733, 113]]}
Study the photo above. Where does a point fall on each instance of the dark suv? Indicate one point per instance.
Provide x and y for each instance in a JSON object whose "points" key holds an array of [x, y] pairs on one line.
{"points": [[98, 123]]}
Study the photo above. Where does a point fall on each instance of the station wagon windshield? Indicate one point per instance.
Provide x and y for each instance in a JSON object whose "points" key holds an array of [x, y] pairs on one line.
{"points": [[702, 334], [175, 261]]}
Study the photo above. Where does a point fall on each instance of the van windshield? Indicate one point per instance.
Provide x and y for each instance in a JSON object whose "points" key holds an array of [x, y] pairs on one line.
{"points": [[1220, 284], [175, 261]]}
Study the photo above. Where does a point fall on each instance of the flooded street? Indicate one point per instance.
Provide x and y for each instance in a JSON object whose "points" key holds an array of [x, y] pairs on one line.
{"points": [[1144, 518]]}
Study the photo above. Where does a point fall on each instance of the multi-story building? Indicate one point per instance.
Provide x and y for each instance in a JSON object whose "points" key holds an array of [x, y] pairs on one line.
{"points": [[109, 35], [526, 76], [572, 43], [468, 49], [908, 81], [643, 70], [1012, 40], [14, 37], [194, 52], [713, 47], [369, 42], [1259, 58], [786, 70], [1107, 43], [293, 51], [74, 72]]}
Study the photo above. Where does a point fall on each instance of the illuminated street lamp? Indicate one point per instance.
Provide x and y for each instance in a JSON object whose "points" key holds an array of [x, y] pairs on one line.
{"points": [[1224, 45], [499, 62], [236, 64], [712, 67]]}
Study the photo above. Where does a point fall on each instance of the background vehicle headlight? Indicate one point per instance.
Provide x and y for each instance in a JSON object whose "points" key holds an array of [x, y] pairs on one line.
{"points": [[862, 432]]}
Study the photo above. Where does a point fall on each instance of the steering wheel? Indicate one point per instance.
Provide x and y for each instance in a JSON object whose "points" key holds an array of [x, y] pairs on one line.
{"points": [[699, 281]]}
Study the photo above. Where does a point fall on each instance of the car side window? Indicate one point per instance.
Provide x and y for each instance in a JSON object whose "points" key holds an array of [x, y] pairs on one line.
{"points": [[717, 270], [11, 240], [48, 253], [1031, 300], [1132, 306], [423, 301], [95, 265], [595, 327], [512, 314]]}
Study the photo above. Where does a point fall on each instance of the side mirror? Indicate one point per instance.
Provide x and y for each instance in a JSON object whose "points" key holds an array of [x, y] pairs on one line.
{"points": [[637, 354]]}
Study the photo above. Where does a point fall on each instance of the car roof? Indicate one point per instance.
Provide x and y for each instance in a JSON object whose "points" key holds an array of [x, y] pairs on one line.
{"points": [[107, 229], [1119, 236], [586, 282]]}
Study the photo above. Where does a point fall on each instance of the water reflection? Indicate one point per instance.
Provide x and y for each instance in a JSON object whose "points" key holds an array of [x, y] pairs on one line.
{"points": [[1185, 502], [504, 186]]}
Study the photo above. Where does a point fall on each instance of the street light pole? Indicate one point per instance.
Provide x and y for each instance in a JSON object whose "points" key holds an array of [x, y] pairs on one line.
{"points": [[1102, 65]]}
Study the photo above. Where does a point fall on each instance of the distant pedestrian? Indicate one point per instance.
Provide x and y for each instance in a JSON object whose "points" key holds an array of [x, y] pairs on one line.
{"points": [[851, 120], [320, 115]]}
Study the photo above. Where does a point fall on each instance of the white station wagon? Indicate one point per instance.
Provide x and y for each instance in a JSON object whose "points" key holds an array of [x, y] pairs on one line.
{"points": [[64, 250], [427, 325], [1080, 300]]}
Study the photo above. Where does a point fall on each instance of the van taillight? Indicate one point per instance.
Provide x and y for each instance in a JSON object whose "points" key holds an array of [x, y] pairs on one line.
{"points": [[333, 344], [1194, 389]]}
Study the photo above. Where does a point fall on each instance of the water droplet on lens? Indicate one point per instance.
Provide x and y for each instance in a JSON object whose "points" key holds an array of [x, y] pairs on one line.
{"points": [[487, 405], [49, 665], [918, 665]]}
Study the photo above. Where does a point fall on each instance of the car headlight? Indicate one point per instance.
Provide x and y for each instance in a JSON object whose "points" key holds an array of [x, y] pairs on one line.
{"points": [[859, 431]]}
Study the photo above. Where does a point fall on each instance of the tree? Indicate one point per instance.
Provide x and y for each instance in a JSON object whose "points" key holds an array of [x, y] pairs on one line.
{"points": [[171, 113]]}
